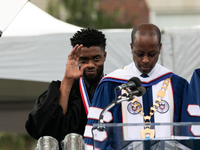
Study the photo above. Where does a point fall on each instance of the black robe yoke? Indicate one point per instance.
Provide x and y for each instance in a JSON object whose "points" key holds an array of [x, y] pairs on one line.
{"points": [[47, 118]]}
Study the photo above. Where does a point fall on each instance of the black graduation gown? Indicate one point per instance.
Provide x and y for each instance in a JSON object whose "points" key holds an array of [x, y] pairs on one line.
{"points": [[47, 118]]}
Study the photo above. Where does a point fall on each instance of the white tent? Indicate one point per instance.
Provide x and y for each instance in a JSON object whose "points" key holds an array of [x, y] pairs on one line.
{"points": [[9, 9], [31, 21], [181, 50], [35, 47]]}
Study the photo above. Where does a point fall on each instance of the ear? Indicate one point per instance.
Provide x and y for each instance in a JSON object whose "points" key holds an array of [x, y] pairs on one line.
{"points": [[131, 47], [160, 47], [105, 54]]}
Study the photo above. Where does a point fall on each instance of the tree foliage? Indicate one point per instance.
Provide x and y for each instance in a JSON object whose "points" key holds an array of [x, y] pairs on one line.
{"points": [[86, 13], [53, 8], [11, 141]]}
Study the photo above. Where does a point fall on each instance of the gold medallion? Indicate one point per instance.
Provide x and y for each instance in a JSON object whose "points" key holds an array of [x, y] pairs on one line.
{"points": [[147, 132]]}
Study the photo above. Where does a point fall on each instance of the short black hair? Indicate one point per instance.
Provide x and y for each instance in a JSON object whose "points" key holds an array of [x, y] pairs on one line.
{"points": [[89, 37], [154, 27]]}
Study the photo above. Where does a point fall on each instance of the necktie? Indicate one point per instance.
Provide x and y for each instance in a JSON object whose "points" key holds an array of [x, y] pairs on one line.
{"points": [[144, 75]]}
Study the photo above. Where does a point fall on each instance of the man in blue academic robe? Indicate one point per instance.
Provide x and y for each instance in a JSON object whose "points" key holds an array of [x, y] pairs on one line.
{"points": [[168, 97]]}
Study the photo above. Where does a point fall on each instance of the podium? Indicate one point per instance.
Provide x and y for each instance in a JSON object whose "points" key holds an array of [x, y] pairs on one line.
{"points": [[167, 136]]}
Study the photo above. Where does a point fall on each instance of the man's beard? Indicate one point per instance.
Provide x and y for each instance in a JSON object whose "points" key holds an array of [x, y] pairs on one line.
{"points": [[97, 78]]}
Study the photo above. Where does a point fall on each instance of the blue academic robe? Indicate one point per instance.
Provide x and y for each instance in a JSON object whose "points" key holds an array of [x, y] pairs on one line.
{"points": [[104, 95]]}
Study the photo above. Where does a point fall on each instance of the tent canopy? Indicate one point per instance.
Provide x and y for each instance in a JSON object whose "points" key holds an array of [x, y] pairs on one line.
{"points": [[35, 47], [9, 9], [31, 21]]}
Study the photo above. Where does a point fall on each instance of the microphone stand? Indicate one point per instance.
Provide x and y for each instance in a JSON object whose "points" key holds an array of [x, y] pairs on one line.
{"points": [[129, 97]]}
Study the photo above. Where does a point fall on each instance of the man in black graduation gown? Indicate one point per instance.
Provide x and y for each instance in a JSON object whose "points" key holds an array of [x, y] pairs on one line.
{"points": [[63, 107]]}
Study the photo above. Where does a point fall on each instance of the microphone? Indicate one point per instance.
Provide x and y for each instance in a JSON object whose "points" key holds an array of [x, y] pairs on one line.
{"points": [[132, 83], [139, 91]]}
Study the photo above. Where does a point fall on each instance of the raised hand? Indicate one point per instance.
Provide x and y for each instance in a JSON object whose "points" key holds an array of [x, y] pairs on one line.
{"points": [[72, 71]]}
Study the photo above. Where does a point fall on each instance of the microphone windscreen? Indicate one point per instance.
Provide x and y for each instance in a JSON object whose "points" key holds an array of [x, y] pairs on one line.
{"points": [[136, 80], [142, 90]]}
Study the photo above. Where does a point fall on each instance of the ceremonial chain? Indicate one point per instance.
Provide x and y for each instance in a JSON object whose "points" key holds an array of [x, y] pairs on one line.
{"points": [[147, 119]]}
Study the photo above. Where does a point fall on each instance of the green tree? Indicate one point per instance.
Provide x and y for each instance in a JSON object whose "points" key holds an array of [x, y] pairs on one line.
{"points": [[11, 141], [53, 8], [81, 12], [86, 13]]}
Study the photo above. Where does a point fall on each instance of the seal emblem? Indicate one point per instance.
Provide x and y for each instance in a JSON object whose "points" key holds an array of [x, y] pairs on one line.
{"points": [[163, 107], [131, 109]]}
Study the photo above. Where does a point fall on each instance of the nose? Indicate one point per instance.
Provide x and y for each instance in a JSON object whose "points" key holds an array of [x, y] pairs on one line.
{"points": [[145, 59], [90, 64]]}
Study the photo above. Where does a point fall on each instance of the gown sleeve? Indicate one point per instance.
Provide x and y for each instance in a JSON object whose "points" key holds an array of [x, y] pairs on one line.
{"points": [[195, 84], [47, 118], [183, 98], [184, 103]]}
